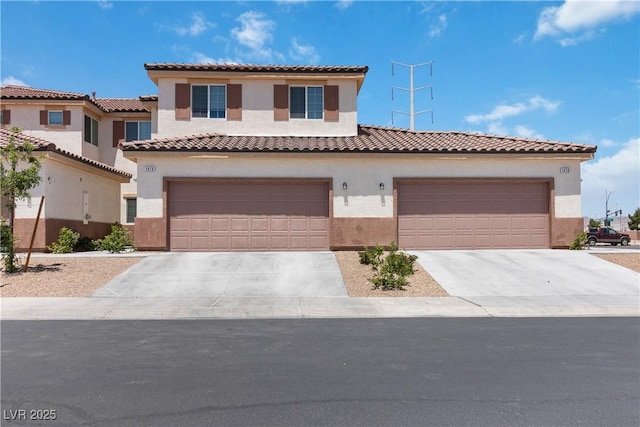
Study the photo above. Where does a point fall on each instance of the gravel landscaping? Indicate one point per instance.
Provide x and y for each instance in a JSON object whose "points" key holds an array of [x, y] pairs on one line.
{"points": [[64, 276], [356, 275], [630, 261]]}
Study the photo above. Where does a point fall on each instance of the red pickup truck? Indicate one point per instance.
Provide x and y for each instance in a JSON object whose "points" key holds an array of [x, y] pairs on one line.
{"points": [[607, 235]]}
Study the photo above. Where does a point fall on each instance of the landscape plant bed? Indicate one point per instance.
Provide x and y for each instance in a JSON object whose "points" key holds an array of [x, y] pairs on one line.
{"points": [[630, 261], [64, 276], [356, 278]]}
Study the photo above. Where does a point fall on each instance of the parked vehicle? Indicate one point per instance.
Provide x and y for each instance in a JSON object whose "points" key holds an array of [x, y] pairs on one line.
{"points": [[607, 235]]}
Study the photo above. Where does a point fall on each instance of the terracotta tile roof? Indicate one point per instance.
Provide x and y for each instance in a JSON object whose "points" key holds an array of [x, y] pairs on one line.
{"points": [[148, 98], [44, 145], [371, 139], [23, 92], [111, 105], [258, 68]]}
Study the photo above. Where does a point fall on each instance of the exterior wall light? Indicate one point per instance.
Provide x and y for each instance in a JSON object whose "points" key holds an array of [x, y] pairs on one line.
{"points": [[344, 185], [382, 185]]}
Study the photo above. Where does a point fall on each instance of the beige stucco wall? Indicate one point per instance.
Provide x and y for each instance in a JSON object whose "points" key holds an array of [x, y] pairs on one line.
{"points": [[257, 113], [362, 173]]}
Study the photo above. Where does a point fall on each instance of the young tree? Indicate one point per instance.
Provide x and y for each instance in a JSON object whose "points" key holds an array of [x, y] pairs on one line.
{"points": [[634, 220], [19, 173], [594, 223]]}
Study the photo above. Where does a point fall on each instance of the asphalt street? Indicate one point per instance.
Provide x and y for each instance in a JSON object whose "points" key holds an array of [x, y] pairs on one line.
{"points": [[335, 372]]}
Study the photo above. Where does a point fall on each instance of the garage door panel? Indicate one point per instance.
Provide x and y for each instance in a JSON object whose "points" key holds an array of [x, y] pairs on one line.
{"points": [[473, 215], [248, 215]]}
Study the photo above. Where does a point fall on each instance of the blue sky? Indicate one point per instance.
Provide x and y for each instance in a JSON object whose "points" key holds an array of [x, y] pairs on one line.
{"points": [[567, 70]]}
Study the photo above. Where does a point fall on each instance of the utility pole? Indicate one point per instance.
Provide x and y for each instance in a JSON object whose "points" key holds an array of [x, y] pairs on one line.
{"points": [[412, 113], [606, 206]]}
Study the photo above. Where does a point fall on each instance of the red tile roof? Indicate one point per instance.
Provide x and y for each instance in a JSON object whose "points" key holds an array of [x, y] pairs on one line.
{"points": [[108, 105], [39, 144], [371, 139], [111, 105], [23, 92], [258, 68]]}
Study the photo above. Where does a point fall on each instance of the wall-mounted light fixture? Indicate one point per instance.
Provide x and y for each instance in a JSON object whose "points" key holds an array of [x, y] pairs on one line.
{"points": [[382, 185], [344, 185]]}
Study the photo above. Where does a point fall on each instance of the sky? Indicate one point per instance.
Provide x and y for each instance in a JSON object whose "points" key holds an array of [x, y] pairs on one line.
{"points": [[563, 71]]}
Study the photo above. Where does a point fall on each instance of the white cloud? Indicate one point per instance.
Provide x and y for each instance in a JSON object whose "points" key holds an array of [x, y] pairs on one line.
{"points": [[199, 24], [575, 16], [526, 132], [344, 4], [10, 80], [255, 32], [520, 38], [303, 52], [619, 173], [437, 28], [104, 4], [503, 111], [497, 128]]}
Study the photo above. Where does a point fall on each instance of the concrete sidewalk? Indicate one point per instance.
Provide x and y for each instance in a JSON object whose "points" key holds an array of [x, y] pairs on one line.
{"points": [[308, 307]]}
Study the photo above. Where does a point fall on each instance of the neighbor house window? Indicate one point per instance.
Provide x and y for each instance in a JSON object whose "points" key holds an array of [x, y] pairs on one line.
{"points": [[137, 131], [209, 101], [90, 131], [55, 117], [306, 102], [132, 207]]}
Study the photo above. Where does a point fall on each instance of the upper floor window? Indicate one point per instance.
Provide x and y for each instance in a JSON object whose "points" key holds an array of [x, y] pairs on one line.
{"points": [[306, 102], [90, 130], [55, 117], [137, 131], [209, 101]]}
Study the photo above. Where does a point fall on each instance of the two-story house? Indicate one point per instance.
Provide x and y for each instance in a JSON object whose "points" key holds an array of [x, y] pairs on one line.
{"points": [[272, 157]]}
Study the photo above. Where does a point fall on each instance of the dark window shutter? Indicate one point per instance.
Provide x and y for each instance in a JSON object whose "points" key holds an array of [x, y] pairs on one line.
{"points": [[66, 117], [183, 101], [118, 132], [331, 101], [281, 102], [44, 117], [234, 102], [6, 117]]}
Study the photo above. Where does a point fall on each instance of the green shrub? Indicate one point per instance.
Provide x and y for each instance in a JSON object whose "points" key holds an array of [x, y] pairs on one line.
{"points": [[67, 239], [85, 244], [6, 239], [9, 258], [117, 241], [391, 271], [579, 242]]}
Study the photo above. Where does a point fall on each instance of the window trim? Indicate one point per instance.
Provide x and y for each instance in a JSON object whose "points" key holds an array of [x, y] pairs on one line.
{"points": [[91, 135], [126, 210], [224, 103], [49, 123], [306, 102]]}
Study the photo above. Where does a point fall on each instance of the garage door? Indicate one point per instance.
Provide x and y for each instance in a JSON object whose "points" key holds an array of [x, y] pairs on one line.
{"points": [[473, 215], [248, 216]]}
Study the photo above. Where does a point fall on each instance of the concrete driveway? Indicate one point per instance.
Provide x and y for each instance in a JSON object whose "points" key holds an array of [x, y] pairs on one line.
{"points": [[252, 274], [528, 273]]}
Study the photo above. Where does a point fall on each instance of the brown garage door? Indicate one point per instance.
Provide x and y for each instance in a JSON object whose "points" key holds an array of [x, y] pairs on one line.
{"points": [[248, 216], [473, 215]]}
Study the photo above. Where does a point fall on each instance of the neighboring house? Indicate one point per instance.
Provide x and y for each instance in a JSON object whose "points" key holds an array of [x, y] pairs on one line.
{"points": [[79, 193], [269, 157]]}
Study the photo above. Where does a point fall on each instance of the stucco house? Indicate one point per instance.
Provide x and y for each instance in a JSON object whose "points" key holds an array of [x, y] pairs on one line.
{"points": [[272, 157]]}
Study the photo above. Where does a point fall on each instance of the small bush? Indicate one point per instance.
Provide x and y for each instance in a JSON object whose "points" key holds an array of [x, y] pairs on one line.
{"points": [[85, 244], [9, 258], [580, 242], [390, 272], [117, 241], [6, 239], [67, 239]]}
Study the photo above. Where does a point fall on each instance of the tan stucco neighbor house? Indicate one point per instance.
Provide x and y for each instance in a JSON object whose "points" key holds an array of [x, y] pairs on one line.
{"points": [[272, 158]]}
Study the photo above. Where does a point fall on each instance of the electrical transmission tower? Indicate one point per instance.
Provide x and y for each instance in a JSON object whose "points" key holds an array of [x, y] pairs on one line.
{"points": [[411, 89]]}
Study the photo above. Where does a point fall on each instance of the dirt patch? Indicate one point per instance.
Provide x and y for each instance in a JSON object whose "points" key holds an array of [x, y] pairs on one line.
{"points": [[356, 275], [630, 261], [64, 276]]}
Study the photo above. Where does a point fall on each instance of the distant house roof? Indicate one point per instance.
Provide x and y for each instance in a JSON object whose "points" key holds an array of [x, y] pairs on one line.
{"points": [[370, 139], [258, 68], [43, 145], [108, 105]]}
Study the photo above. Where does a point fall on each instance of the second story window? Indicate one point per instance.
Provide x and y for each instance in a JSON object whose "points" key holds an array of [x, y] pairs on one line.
{"points": [[90, 130], [137, 131], [306, 102], [209, 101], [55, 117]]}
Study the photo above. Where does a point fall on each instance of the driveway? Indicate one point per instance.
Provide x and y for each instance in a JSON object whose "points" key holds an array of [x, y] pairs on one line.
{"points": [[257, 274], [528, 273]]}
